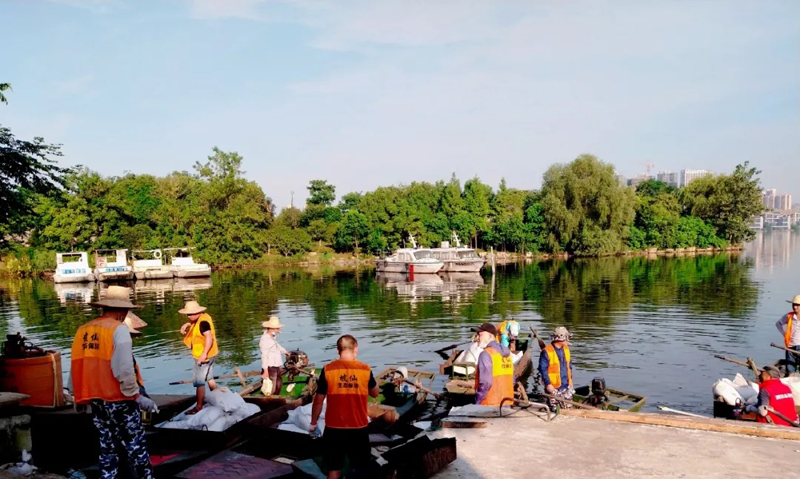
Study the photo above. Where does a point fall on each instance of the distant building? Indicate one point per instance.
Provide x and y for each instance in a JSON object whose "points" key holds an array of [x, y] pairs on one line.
{"points": [[778, 221], [757, 223], [783, 202], [768, 198], [668, 177], [622, 180], [637, 180], [687, 176]]}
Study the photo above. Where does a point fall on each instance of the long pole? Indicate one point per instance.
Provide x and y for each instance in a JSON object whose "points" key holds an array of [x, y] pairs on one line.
{"points": [[796, 353], [682, 413]]}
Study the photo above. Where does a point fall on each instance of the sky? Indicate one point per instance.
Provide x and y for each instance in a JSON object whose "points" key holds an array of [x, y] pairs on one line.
{"points": [[372, 93]]}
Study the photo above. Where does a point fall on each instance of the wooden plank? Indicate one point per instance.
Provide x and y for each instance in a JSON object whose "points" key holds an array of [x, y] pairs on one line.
{"points": [[8, 399], [464, 422], [714, 425]]}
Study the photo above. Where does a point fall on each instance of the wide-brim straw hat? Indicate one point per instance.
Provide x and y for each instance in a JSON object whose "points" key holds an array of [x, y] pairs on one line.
{"points": [[273, 323], [134, 323], [116, 297], [795, 300], [192, 307]]}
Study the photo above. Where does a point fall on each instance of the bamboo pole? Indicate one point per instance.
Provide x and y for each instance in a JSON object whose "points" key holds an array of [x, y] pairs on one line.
{"points": [[734, 361], [796, 353], [713, 425]]}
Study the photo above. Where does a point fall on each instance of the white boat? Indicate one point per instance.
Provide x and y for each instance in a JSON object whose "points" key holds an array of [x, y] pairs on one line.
{"points": [[183, 265], [149, 264], [76, 293], [73, 268], [410, 260], [459, 259], [112, 265]]}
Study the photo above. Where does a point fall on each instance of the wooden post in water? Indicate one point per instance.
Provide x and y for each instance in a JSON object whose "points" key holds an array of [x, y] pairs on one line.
{"points": [[493, 263]]}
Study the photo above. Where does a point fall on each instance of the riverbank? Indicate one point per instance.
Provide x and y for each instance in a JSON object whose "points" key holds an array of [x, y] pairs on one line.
{"points": [[526, 446]]}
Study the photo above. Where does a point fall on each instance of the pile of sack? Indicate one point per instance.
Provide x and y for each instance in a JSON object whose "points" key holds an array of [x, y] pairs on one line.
{"points": [[300, 419], [222, 410]]}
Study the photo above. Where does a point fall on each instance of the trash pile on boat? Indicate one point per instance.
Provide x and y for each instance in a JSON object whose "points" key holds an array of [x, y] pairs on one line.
{"points": [[223, 409], [740, 391], [300, 419]]}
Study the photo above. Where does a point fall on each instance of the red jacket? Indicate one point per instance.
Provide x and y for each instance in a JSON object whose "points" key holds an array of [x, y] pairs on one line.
{"points": [[780, 399]]}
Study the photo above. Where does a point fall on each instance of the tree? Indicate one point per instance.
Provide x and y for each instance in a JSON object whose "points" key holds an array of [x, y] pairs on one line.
{"points": [[657, 215], [4, 87], [354, 230], [288, 241], [290, 217], [321, 193], [26, 170], [728, 202], [586, 210]]}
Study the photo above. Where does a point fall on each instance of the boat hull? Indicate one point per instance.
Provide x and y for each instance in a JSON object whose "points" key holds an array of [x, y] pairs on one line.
{"points": [[384, 266], [191, 273], [73, 278], [425, 268], [456, 266], [111, 276], [154, 274]]}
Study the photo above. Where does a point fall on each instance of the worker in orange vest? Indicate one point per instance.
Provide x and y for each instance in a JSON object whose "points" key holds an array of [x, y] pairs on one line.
{"points": [[773, 396], [103, 376], [790, 330], [346, 383], [555, 368], [200, 337], [494, 380]]}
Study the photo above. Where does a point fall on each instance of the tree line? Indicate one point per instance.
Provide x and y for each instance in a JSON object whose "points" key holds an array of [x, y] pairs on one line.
{"points": [[581, 209]]}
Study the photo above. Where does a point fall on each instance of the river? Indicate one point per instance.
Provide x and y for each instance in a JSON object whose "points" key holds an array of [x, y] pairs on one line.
{"points": [[648, 326]]}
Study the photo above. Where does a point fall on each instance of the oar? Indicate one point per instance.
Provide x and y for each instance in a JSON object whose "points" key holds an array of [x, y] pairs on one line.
{"points": [[796, 353], [790, 421], [683, 413], [224, 376], [734, 361], [542, 344], [577, 404], [446, 348], [420, 386]]}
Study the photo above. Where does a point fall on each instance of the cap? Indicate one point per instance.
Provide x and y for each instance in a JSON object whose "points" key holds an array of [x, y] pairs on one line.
{"points": [[488, 328], [772, 371]]}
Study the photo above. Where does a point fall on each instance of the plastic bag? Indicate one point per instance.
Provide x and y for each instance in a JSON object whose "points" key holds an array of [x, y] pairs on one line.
{"points": [[227, 400], [219, 425], [205, 416]]}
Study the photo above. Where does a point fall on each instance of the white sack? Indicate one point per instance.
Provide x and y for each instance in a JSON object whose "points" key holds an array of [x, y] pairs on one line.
{"points": [[205, 416], [219, 425], [229, 401]]}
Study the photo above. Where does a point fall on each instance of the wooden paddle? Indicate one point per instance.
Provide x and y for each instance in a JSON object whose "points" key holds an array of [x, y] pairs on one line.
{"points": [[734, 361], [790, 421], [542, 344], [420, 386], [796, 353], [224, 376]]}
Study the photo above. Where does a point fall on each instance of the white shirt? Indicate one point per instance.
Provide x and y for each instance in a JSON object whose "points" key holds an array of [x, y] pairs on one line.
{"points": [[794, 340], [271, 352]]}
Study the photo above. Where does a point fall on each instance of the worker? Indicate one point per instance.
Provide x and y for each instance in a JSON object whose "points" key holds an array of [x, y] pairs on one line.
{"points": [[773, 396], [103, 376], [555, 367], [494, 380], [508, 331], [200, 337], [345, 383], [272, 357], [790, 330], [134, 323]]}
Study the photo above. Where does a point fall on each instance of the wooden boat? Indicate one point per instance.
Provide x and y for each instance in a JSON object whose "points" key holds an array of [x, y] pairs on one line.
{"points": [[614, 400], [298, 388], [403, 403]]}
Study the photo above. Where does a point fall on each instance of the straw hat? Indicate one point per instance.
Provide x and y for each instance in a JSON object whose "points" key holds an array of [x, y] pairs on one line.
{"points": [[116, 297], [192, 307], [134, 323], [273, 323], [795, 300]]}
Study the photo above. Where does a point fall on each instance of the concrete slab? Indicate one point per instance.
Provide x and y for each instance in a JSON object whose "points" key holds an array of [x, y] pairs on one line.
{"points": [[524, 446]]}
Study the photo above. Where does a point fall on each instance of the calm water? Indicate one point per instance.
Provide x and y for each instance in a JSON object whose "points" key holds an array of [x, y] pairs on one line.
{"points": [[649, 326]]}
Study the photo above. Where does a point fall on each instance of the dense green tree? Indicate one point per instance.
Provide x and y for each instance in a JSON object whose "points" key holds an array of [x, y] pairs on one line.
{"points": [[354, 230], [288, 241], [291, 217], [321, 193], [586, 210]]}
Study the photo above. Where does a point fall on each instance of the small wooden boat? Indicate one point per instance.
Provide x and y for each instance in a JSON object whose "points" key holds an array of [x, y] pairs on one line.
{"points": [[298, 388], [403, 400], [610, 399]]}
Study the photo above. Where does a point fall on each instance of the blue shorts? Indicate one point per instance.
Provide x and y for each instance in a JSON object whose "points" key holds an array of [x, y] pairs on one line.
{"points": [[201, 373]]}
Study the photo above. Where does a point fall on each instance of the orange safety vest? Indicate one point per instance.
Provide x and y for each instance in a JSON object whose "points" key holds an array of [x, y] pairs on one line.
{"points": [[195, 340], [554, 366], [92, 349], [787, 335], [348, 389], [502, 378]]}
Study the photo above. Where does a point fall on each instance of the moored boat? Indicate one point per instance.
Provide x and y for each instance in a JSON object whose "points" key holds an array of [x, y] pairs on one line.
{"points": [[149, 264], [112, 265], [598, 395], [183, 266], [458, 259], [73, 268]]}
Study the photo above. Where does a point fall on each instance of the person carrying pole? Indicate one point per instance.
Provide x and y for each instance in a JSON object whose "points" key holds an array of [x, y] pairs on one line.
{"points": [[790, 330], [775, 402]]}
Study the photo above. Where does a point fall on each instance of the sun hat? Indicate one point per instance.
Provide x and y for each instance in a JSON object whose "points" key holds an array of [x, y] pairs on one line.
{"points": [[273, 323], [560, 334], [134, 323], [795, 300], [772, 371], [192, 307], [116, 297]]}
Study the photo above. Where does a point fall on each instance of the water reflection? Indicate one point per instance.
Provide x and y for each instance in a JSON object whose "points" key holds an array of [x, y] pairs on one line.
{"points": [[649, 325]]}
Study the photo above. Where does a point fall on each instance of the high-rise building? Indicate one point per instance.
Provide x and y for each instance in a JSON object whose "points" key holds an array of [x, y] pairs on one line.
{"points": [[687, 176], [783, 202], [668, 177], [768, 198]]}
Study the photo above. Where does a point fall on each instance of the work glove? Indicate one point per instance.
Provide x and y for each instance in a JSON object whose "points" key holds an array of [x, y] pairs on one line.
{"points": [[147, 404]]}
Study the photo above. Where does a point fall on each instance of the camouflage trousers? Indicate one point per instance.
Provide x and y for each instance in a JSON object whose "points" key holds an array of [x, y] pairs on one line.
{"points": [[120, 424], [565, 393]]}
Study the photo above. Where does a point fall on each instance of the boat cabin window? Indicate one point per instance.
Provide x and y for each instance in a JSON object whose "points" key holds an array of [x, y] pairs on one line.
{"points": [[72, 258], [467, 255], [422, 254], [404, 257]]}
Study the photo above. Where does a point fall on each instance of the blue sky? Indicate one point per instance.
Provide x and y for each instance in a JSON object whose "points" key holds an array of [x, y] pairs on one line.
{"points": [[372, 93]]}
